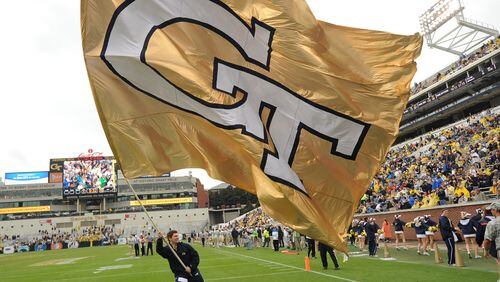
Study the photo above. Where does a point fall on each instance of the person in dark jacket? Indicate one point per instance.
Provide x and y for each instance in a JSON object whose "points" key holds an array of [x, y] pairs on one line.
{"points": [[477, 217], [399, 231], [350, 231], [323, 250], [481, 228], [185, 252], [280, 237], [448, 234], [371, 231], [468, 230], [311, 247], [235, 234]]}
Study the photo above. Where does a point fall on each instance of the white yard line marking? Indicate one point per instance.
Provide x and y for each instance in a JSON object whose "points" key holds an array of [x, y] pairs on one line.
{"points": [[359, 255], [112, 267], [250, 276], [58, 261], [127, 258], [289, 266]]}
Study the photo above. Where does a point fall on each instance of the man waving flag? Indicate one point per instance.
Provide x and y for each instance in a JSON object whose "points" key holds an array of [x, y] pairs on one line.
{"points": [[259, 93]]}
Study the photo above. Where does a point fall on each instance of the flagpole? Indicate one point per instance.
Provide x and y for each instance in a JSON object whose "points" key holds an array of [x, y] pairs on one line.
{"points": [[153, 223]]}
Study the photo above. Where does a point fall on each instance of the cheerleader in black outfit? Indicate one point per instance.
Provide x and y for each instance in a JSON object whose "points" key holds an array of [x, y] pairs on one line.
{"points": [[419, 227], [399, 231], [430, 228], [469, 233], [361, 235]]}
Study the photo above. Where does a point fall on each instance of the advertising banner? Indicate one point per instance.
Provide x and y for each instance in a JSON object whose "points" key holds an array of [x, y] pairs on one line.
{"points": [[25, 209], [162, 201], [16, 178]]}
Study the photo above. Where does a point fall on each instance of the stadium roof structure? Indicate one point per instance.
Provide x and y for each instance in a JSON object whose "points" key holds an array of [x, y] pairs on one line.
{"points": [[457, 37], [220, 186]]}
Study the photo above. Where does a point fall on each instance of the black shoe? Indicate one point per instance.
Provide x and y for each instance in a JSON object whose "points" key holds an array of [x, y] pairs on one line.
{"points": [[325, 267], [337, 268]]}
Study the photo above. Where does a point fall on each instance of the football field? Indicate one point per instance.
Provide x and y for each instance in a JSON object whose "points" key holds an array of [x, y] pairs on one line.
{"points": [[233, 264]]}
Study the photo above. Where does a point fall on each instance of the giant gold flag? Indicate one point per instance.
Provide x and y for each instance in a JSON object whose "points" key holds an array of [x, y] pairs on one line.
{"points": [[259, 93]]}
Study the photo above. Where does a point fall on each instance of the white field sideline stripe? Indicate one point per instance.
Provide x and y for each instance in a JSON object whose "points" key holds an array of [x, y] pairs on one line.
{"points": [[250, 276], [290, 266]]}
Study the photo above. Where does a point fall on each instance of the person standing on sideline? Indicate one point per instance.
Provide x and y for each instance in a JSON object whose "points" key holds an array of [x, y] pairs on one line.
{"points": [[266, 235], [204, 236], [185, 252], [492, 233], [259, 236], [399, 231], [371, 230], [143, 245], [468, 230], [481, 228], [448, 234], [275, 236], [386, 227], [430, 227], [311, 247], [418, 225], [149, 239], [323, 250], [280, 237], [360, 230], [234, 234], [136, 245], [296, 241]]}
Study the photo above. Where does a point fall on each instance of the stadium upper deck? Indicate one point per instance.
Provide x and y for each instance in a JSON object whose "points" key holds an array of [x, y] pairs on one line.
{"points": [[468, 86]]}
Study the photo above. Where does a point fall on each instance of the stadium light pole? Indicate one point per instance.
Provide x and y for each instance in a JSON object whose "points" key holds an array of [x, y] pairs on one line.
{"points": [[445, 28]]}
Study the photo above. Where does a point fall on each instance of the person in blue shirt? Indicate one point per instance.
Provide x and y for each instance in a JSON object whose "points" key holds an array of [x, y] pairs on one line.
{"points": [[411, 201]]}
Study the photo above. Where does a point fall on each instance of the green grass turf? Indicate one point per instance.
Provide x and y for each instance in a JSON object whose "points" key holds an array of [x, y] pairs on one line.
{"points": [[234, 264]]}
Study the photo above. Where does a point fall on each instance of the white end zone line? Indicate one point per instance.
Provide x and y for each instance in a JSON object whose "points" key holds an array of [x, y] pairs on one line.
{"points": [[289, 266]]}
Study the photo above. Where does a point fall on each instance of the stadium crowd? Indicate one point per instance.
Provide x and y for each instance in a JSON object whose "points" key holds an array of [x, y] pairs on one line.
{"points": [[451, 166], [462, 62], [254, 229], [57, 239]]}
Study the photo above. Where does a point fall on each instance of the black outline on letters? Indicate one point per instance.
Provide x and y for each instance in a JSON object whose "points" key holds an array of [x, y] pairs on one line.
{"points": [[263, 104]]}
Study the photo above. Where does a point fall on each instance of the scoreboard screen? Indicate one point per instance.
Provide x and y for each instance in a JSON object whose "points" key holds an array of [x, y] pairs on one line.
{"points": [[92, 177]]}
